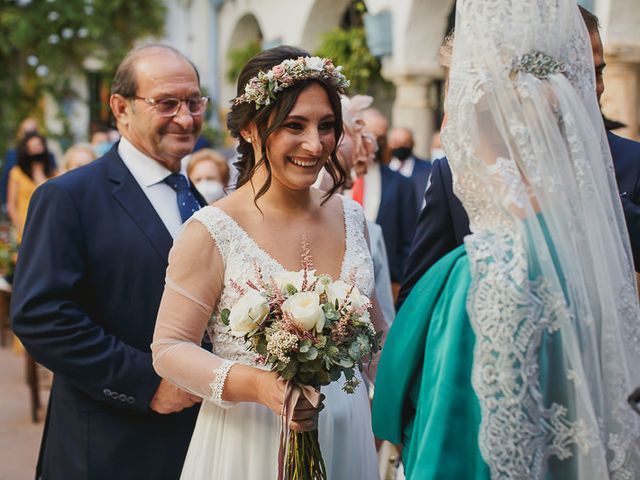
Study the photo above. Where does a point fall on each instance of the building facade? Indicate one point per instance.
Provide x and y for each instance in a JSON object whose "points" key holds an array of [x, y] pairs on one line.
{"points": [[406, 33]]}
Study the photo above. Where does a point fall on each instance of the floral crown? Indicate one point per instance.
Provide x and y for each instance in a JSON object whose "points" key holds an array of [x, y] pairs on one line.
{"points": [[262, 88]]}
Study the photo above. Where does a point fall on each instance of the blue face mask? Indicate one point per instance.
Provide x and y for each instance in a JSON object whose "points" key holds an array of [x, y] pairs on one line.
{"points": [[102, 148]]}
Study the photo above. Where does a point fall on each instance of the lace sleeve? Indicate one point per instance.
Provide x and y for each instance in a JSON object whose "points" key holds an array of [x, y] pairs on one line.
{"points": [[193, 285]]}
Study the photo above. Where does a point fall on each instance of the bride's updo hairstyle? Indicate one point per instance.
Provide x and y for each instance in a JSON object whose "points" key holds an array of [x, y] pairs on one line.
{"points": [[269, 117]]}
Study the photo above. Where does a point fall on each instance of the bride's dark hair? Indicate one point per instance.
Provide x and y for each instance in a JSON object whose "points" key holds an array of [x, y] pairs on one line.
{"points": [[270, 117]]}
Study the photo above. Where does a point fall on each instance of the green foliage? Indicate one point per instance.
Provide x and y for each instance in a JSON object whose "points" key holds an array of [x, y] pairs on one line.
{"points": [[349, 49], [224, 316], [238, 57], [8, 249], [43, 42]]}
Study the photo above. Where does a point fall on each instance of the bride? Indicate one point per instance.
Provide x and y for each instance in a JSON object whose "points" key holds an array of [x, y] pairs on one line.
{"points": [[287, 119]]}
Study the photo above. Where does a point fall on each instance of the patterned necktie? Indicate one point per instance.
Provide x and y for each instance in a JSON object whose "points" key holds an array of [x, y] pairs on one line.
{"points": [[187, 203]]}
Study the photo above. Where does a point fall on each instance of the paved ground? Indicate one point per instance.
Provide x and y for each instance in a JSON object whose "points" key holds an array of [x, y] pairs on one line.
{"points": [[19, 436]]}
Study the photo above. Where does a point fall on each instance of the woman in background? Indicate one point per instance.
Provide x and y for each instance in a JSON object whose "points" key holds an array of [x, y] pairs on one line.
{"points": [[209, 172], [32, 170]]}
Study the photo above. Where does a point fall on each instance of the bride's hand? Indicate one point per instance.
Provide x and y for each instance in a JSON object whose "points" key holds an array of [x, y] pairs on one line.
{"points": [[270, 391]]}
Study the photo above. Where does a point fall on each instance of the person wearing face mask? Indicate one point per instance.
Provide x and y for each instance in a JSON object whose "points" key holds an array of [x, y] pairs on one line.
{"points": [[405, 162], [28, 125], [209, 172], [33, 168]]}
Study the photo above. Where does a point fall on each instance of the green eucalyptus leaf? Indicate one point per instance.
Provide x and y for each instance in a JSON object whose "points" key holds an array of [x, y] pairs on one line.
{"points": [[312, 354], [224, 316]]}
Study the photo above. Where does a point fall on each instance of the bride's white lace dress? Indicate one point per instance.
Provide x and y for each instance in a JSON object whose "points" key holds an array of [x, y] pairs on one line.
{"points": [[240, 440]]}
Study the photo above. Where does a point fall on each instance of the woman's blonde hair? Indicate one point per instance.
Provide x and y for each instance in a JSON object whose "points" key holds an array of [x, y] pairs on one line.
{"points": [[215, 157], [77, 148]]}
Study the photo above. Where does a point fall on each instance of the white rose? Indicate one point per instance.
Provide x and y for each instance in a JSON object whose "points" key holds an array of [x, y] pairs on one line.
{"points": [[248, 312], [294, 278], [314, 63], [304, 308], [339, 290]]}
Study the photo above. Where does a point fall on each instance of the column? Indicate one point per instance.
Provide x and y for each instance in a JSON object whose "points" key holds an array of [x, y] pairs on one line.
{"points": [[621, 98], [414, 108]]}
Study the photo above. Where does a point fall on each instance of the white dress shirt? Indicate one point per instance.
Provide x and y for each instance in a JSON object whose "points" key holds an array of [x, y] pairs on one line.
{"points": [[404, 167], [150, 175]]}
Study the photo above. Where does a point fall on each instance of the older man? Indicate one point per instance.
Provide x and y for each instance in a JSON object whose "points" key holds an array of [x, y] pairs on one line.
{"points": [[91, 275]]}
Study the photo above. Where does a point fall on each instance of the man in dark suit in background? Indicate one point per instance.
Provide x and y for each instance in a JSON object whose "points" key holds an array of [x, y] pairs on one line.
{"points": [[91, 274], [405, 162], [388, 199], [443, 223]]}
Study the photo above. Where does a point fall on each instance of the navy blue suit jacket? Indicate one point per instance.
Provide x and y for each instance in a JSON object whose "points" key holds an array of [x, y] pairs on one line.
{"points": [[397, 217], [444, 223], [420, 178], [87, 287]]}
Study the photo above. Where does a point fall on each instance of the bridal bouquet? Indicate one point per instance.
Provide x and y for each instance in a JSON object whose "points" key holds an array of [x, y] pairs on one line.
{"points": [[310, 329]]}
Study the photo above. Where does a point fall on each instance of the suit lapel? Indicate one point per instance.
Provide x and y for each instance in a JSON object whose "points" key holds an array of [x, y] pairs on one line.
{"points": [[130, 196]]}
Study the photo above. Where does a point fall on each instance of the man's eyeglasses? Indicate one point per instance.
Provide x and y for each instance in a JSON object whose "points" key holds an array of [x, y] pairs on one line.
{"points": [[169, 107]]}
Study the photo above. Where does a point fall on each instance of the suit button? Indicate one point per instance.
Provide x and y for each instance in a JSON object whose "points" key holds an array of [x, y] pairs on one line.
{"points": [[107, 392], [130, 400], [122, 397], [114, 395]]}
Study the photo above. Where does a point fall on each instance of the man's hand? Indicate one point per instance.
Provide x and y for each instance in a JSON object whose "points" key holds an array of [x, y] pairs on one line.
{"points": [[171, 399]]}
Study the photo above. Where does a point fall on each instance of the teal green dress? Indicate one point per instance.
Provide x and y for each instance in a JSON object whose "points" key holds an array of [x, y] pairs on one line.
{"points": [[424, 399]]}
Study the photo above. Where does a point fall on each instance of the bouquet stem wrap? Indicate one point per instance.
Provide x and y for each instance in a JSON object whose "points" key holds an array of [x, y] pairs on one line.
{"points": [[299, 457]]}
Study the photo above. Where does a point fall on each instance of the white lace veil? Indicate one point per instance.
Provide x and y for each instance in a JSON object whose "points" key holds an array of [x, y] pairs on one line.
{"points": [[552, 300]]}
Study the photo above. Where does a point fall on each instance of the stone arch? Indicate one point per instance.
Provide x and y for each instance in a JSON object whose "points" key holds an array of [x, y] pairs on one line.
{"points": [[324, 15]]}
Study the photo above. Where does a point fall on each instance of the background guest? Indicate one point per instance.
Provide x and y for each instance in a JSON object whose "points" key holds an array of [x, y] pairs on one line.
{"points": [[28, 125], [78, 155], [32, 170], [405, 162], [388, 199], [209, 172], [356, 153]]}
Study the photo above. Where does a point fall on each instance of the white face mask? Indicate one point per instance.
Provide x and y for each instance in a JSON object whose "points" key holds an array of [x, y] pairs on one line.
{"points": [[211, 190], [437, 153]]}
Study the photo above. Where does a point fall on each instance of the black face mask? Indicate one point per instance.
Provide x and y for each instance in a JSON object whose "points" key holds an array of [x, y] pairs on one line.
{"points": [[39, 157], [401, 153]]}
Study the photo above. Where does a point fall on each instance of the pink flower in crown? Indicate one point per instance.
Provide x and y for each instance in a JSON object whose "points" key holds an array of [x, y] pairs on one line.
{"points": [[329, 67], [287, 79], [278, 71]]}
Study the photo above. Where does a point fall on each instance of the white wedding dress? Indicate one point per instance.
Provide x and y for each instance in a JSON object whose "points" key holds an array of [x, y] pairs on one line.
{"points": [[240, 440]]}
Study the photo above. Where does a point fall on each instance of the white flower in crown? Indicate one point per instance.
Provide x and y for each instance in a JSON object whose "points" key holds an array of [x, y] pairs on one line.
{"points": [[315, 63]]}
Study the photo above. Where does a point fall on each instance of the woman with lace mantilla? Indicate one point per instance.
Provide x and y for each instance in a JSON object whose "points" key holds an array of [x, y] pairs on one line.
{"points": [[287, 118], [513, 356]]}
